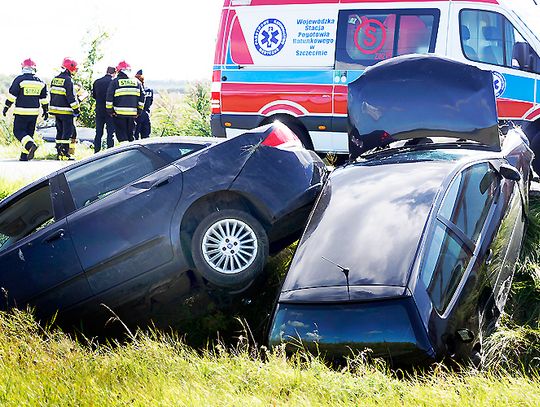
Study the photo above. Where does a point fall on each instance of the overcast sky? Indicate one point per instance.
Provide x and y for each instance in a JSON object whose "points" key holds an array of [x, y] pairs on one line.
{"points": [[169, 39]]}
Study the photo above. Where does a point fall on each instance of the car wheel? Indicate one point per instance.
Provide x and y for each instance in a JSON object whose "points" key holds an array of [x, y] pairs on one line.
{"points": [[230, 248]]}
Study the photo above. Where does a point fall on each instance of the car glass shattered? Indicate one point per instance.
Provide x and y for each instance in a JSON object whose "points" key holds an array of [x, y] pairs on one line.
{"points": [[419, 98]]}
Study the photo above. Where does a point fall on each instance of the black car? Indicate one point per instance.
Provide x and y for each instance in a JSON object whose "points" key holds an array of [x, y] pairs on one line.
{"points": [[410, 249], [137, 221]]}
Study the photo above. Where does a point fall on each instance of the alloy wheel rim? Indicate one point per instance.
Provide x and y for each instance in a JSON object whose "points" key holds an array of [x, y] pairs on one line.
{"points": [[229, 246]]}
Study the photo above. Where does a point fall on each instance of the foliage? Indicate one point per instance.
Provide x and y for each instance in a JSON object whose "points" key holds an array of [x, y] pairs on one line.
{"points": [[196, 117], [85, 76], [6, 135], [189, 115], [167, 114]]}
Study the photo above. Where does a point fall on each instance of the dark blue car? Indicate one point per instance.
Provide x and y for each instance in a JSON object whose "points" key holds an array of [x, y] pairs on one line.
{"points": [[411, 248], [165, 215]]}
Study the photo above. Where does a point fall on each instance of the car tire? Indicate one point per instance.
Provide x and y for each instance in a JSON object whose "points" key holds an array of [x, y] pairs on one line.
{"points": [[230, 248]]}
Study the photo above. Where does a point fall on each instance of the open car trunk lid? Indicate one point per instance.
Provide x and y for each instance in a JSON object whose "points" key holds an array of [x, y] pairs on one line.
{"points": [[421, 96]]}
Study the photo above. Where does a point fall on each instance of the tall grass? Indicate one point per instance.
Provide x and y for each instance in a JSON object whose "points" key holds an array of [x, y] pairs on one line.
{"points": [[46, 367]]}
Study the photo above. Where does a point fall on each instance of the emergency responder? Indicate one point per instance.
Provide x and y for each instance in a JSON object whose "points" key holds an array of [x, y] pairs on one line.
{"points": [[65, 106], [28, 92], [143, 126], [99, 93], [125, 101]]}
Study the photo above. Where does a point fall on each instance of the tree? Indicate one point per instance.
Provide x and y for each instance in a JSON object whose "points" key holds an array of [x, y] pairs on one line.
{"points": [[85, 76], [196, 115]]}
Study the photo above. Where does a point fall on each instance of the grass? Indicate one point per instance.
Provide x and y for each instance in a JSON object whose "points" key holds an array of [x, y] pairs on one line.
{"points": [[46, 151], [44, 366], [40, 367]]}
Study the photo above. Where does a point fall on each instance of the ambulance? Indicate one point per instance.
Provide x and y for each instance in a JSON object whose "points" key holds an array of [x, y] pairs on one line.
{"points": [[291, 60]]}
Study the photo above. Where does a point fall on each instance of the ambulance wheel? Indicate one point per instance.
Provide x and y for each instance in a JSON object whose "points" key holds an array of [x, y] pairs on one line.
{"points": [[230, 248], [301, 133]]}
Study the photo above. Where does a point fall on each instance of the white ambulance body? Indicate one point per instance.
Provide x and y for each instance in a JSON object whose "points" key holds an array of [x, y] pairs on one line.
{"points": [[292, 59]]}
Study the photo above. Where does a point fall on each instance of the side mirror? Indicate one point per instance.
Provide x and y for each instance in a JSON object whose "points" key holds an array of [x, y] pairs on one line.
{"points": [[509, 172], [524, 55]]}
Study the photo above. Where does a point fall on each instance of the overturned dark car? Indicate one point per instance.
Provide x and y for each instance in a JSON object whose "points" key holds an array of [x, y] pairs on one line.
{"points": [[411, 248], [166, 216]]}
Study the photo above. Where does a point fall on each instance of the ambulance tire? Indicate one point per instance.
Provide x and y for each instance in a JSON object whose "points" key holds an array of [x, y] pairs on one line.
{"points": [[301, 133]]}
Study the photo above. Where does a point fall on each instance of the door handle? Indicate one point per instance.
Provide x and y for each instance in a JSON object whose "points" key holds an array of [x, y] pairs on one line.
{"points": [[59, 234], [160, 182]]}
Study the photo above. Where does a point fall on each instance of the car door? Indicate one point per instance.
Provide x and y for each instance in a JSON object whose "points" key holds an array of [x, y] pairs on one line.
{"points": [[38, 262], [121, 220], [455, 265]]}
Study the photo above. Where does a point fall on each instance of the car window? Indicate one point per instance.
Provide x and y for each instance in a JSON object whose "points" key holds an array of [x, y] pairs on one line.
{"points": [[367, 36], [444, 265], [27, 215], [469, 198], [170, 152], [489, 37], [97, 179]]}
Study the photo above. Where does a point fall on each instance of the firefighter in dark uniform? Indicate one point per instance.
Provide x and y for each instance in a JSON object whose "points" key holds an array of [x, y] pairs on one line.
{"points": [[143, 126], [65, 106], [99, 93], [125, 101], [28, 93]]}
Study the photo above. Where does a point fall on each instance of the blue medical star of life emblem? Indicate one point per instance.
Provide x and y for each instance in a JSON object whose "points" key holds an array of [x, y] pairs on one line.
{"points": [[270, 37], [499, 83]]}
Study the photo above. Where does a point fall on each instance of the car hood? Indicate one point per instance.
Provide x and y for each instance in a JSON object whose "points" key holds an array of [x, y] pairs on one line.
{"points": [[369, 220], [421, 96]]}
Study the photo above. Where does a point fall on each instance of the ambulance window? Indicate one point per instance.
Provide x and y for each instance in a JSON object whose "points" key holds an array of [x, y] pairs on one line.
{"points": [[366, 37], [489, 37]]}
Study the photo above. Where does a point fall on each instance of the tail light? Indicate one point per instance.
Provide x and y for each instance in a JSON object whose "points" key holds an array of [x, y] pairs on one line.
{"points": [[282, 137], [216, 92]]}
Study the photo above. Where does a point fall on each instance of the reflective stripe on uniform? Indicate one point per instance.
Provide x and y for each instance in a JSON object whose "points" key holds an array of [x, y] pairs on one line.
{"points": [[43, 101], [11, 97], [75, 105], [26, 111], [26, 139], [55, 90], [141, 105], [127, 92], [60, 110], [32, 84], [62, 141], [126, 111], [109, 105]]}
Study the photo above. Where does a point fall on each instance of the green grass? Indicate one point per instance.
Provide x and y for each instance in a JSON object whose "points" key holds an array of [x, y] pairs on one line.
{"points": [[43, 366]]}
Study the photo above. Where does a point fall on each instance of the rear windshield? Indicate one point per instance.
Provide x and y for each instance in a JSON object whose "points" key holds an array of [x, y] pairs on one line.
{"points": [[366, 37]]}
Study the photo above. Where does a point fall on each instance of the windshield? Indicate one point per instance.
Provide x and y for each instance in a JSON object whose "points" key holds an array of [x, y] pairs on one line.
{"points": [[528, 11]]}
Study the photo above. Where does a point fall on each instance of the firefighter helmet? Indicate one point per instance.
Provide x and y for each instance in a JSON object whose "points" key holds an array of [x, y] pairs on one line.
{"points": [[123, 66], [28, 63], [69, 64]]}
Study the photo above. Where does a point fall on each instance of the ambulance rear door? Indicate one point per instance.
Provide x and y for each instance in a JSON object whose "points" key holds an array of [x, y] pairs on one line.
{"points": [[377, 32]]}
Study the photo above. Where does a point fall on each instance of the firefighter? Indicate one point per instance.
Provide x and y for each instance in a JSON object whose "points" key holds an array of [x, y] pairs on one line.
{"points": [[65, 106], [143, 126], [125, 102], [28, 92], [99, 93]]}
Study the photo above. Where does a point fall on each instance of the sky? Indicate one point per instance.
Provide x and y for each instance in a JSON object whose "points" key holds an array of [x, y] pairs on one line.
{"points": [[168, 39]]}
